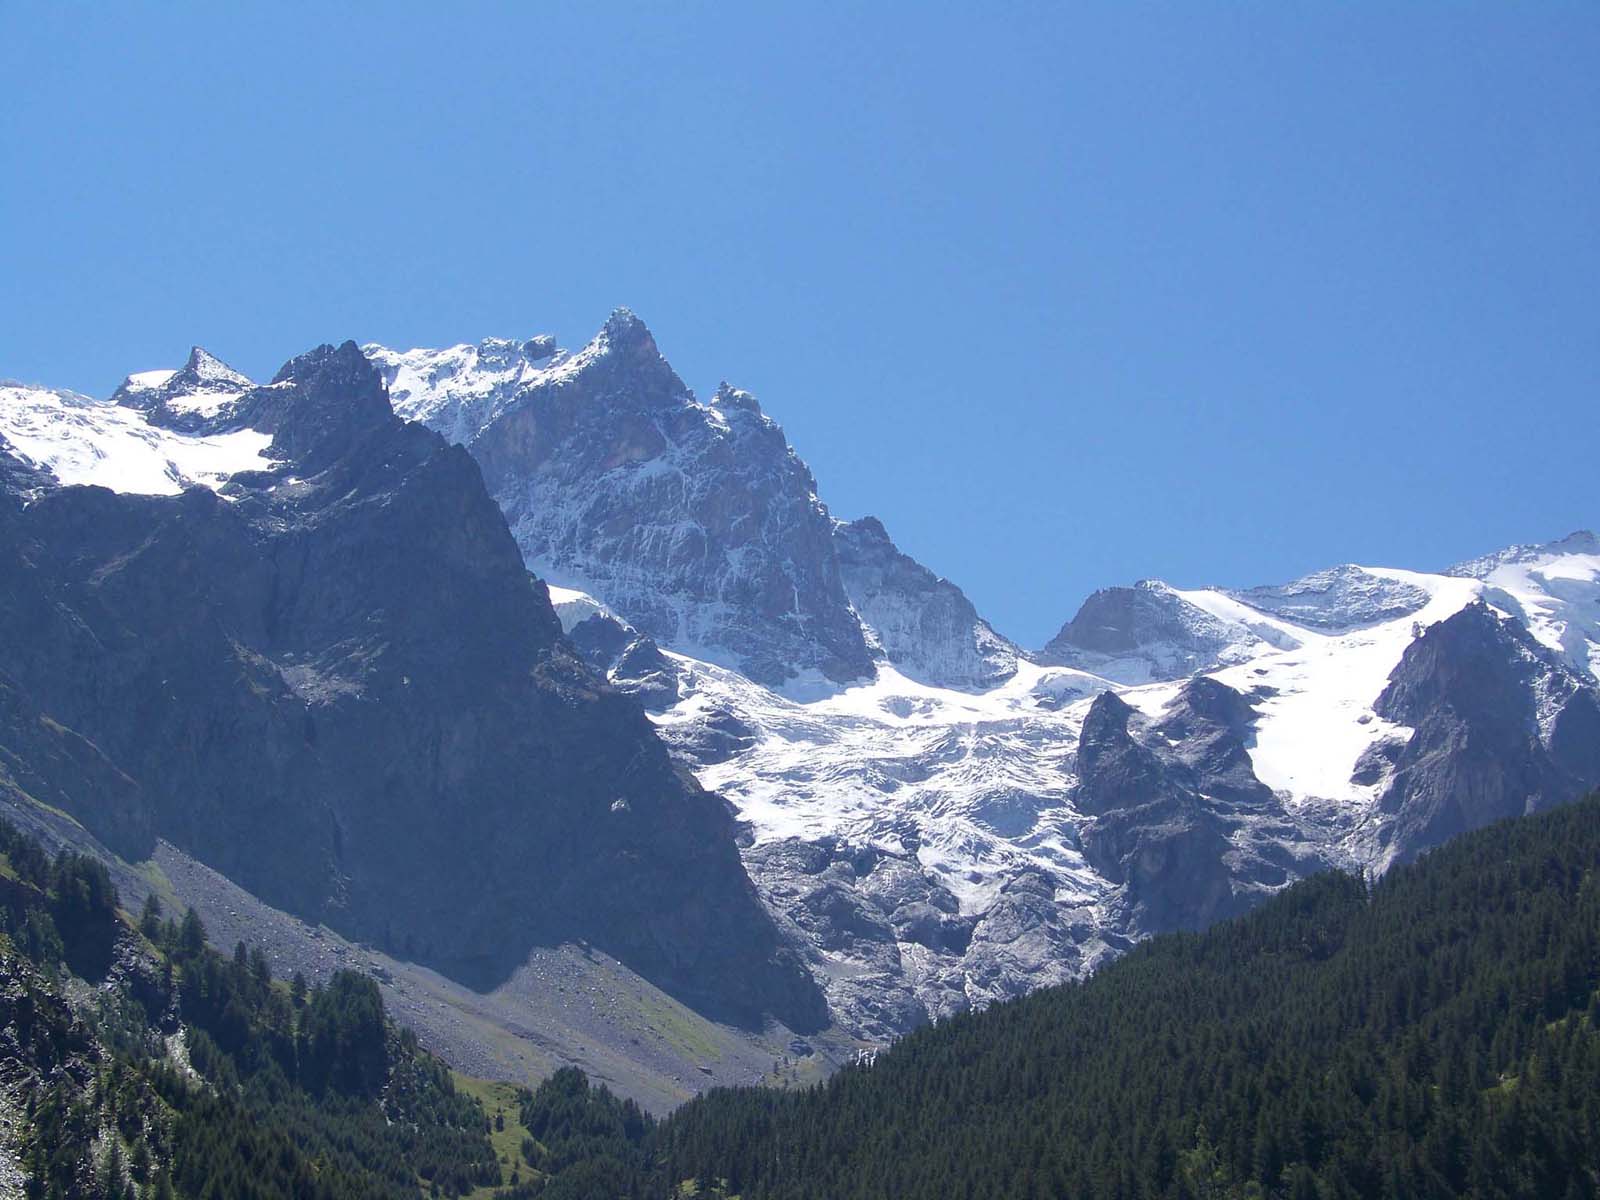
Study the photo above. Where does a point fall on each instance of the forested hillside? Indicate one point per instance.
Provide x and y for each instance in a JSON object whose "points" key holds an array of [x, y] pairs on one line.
{"points": [[182, 1072], [1436, 1034]]}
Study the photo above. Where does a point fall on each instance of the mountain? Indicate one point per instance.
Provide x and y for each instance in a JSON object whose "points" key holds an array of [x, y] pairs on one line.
{"points": [[695, 521], [201, 396], [949, 820], [901, 814], [330, 678]]}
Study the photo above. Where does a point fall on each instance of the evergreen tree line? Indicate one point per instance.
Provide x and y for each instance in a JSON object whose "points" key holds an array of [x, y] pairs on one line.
{"points": [[1434, 1035], [271, 1089]]}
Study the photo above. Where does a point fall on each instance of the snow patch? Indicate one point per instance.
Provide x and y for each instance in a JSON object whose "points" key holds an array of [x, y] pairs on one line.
{"points": [[97, 442]]}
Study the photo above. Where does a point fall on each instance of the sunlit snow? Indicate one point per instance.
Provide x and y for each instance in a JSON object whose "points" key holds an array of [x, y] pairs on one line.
{"points": [[84, 441]]}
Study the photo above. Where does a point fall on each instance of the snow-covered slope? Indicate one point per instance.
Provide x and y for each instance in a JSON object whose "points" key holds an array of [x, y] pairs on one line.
{"points": [[76, 440], [459, 391], [937, 846]]}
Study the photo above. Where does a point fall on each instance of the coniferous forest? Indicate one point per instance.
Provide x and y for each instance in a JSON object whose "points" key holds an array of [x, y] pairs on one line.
{"points": [[1436, 1033]]}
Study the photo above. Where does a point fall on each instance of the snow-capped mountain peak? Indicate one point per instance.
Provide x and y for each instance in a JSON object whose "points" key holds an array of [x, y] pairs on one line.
{"points": [[199, 397], [696, 522]]}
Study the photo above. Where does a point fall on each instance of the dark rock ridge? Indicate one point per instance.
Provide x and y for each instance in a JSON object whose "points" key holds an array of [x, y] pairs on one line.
{"points": [[20, 479], [1500, 727], [695, 522], [924, 624], [630, 660], [1175, 814], [336, 684]]}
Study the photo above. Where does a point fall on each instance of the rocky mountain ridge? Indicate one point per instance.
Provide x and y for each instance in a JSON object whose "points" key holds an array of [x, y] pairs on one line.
{"points": [[933, 818], [332, 680], [964, 820]]}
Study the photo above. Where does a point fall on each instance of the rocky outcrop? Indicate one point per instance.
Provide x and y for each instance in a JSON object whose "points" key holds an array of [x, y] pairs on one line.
{"points": [[1177, 817], [1149, 632], [1501, 726], [1343, 597], [335, 683], [923, 624], [695, 522]]}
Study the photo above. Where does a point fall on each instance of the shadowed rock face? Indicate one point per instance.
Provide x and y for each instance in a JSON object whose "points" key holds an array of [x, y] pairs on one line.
{"points": [[1177, 815], [1501, 727], [336, 684]]}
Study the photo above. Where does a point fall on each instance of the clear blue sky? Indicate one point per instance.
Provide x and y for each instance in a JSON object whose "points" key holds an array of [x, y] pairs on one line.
{"points": [[1067, 294]]}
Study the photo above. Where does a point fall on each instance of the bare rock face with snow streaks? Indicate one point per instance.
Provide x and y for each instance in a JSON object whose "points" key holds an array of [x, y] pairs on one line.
{"points": [[936, 818], [694, 521], [931, 818]]}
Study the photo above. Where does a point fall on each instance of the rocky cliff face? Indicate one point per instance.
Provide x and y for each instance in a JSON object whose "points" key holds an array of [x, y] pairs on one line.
{"points": [[695, 522], [1175, 813], [1501, 727], [333, 681], [923, 624]]}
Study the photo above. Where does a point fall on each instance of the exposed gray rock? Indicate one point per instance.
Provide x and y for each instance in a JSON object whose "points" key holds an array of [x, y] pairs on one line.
{"points": [[1149, 632], [1178, 818], [1343, 597], [1026, 939], [1501, 727], [695, 522], [924, 625]]}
